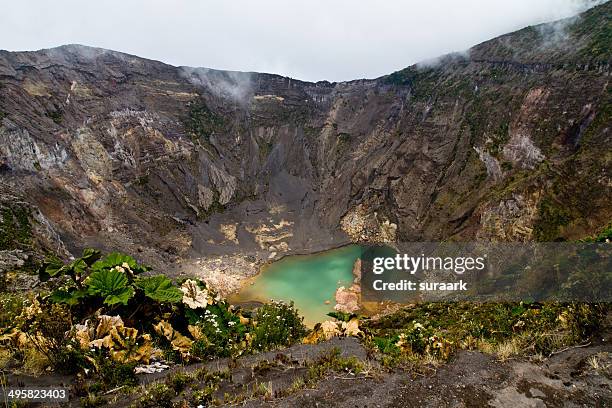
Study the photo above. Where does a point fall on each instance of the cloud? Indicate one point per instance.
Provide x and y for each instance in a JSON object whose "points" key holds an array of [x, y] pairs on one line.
{"points": [[312, 40], [556, 33], [224, 84]]}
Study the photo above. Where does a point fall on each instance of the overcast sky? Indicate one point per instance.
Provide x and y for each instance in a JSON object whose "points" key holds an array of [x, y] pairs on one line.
{"points": [[311, 39]]}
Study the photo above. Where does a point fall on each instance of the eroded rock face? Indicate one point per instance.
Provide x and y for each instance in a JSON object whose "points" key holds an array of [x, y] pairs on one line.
{"points": [[21, 152], [205, 197], [361, 226], [12, 260], [348, 299], [92, 156], [521, 150], [510, 219], [491, 163], [126, 153], [26, 236], [24, 230]]}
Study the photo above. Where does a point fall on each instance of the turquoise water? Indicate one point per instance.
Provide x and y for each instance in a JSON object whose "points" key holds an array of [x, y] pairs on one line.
{"points": [[307, 280]]}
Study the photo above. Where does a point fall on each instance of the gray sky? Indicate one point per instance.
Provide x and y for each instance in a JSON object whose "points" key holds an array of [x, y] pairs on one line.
{"points": [[309, 39]]}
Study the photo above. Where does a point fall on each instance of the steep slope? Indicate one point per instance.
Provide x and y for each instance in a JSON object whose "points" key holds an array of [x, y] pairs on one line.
{"points": [[509, 141]]}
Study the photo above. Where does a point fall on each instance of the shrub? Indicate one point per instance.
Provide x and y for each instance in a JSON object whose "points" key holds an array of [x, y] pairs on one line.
{"points": [[331, 361], [209, 383], [113, 374], [201, 121], [551, 217], [49, 332], [15, 228], [221, 332], [277, 324], [92, 401], [437, 329], [57, 115], [179, 381], [158, 395], [11, 306], [68, 359], [605, 235]]}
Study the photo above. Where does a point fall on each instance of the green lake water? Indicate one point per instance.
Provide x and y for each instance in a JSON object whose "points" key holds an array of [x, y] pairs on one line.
{"points": [[307, 280]]}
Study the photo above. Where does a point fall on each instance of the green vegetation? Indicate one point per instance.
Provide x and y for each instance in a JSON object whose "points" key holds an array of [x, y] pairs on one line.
{"points": [[47, 332], [497, 141], [278, 324], [506, 166], [57, 115], [605, 235], [15, 228], [111, 280], [437, 330], [215, 207], [11, 306], [331, 361], [103, 318], [551, 217], [601, 120], [201, 122], [344, 137], [423, 82], [113, 374], [197, 387], [142, 180], [157, 395], [221, 332], [159, 288], [265, 148], [596, 26], [477, 118]]}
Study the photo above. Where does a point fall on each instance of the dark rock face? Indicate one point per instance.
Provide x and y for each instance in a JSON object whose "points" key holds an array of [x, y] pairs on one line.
{"points": [[508, 142]]}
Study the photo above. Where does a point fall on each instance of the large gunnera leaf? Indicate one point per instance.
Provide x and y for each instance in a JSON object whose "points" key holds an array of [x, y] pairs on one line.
{"points": [[50, 268], [70, 297], [55, 267], [160, 288], [90, 256], [112, 285], [121, 261]]}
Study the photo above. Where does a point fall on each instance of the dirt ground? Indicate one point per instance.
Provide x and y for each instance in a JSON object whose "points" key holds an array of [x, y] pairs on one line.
{"points": [[475, 379], [472, 379]]}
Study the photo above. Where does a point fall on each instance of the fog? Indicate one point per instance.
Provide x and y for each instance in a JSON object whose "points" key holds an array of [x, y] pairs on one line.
{"points": [[310, 40]]}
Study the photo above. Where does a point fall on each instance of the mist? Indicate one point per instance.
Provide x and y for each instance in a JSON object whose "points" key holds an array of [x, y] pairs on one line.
{"points": [[314, 40]]}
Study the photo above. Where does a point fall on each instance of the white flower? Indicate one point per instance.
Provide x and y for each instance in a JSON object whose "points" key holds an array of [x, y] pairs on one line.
{"points": [[193, 296]]}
